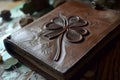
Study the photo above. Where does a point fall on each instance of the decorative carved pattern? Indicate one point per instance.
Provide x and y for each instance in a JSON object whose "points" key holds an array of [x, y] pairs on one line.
{"points": [[71, 28]]}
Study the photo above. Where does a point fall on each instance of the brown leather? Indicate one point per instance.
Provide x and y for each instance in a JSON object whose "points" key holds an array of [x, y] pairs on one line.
{"points": [[33, 49], [105, 66]]}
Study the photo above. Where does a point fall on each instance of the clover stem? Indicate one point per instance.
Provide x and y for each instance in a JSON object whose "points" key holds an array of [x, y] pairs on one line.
{"points": [[59, 48]]}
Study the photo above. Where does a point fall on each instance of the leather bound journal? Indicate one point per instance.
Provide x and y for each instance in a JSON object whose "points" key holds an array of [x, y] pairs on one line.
{"points": [[61, 42]]}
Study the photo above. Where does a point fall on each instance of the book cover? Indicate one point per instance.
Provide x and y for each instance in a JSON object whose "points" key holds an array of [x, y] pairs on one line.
{"points": [[60, 43]]}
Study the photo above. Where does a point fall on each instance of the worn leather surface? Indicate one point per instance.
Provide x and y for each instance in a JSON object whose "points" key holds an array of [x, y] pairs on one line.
{"points": [[31, 40], [106, 66]]}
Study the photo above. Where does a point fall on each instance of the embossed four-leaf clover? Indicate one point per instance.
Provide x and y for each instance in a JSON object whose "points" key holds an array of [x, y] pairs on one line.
{"points": [[71, 27]]}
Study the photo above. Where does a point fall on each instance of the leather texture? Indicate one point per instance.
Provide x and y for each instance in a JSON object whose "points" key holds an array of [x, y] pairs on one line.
{"points": [[31, 38]]}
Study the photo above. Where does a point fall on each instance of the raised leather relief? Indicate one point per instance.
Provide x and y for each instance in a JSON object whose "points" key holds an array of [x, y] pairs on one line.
{"points": [[71, 28], [61, 48]]}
